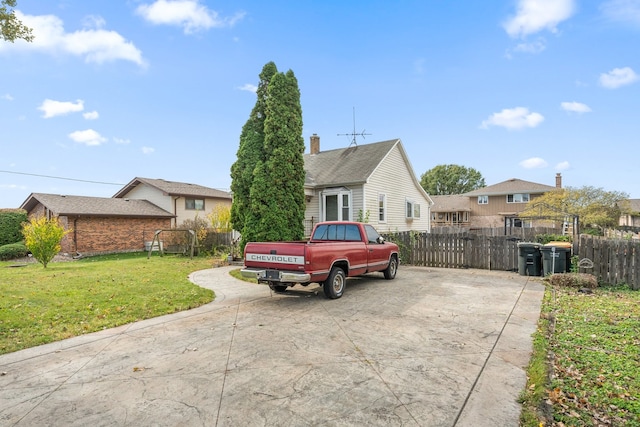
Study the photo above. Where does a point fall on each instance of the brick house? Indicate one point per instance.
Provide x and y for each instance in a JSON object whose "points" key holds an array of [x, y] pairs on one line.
{"points": [[183, 200], [98, 224]]}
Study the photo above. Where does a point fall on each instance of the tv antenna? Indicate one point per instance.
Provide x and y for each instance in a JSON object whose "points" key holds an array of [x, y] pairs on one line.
{"points": [[354, 134]]}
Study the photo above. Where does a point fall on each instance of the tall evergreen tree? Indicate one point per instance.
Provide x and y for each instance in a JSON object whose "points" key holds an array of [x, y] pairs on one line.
{"points": [[277, 191], [250, 151]]}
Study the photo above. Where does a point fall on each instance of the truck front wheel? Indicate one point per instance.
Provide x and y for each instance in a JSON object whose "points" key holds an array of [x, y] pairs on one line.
{"points": [[391, 270], [334, 285]]}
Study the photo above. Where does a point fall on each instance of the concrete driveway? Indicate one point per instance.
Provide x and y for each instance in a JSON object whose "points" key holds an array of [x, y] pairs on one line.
{"points": [[433, 347]]}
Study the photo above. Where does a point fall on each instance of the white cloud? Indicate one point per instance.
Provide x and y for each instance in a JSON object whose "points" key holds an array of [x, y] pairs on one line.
{"points": [[91, 115], [121, 141], [53, 108], [622, 11], [533, 47], [563, 166], [533, 163], [191, 15], [7, 97], [87, 137], [536, 15], [514, 118], [618, 77], [147, 150], [94, 45], [249, 87], [575, 107]]}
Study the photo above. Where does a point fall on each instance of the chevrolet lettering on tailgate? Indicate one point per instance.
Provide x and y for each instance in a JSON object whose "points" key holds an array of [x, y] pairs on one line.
{"points": [[279, 259]]}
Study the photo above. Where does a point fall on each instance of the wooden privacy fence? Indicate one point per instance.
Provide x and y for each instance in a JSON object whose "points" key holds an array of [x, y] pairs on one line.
{"points": [[614, 261], [457, 250]]}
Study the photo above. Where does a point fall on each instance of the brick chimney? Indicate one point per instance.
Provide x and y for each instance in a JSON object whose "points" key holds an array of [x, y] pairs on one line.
{"points": [[315, 144], [558, 180]]}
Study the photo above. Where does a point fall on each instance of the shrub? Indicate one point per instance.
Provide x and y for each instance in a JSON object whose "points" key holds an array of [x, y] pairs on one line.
{"points": [[42, 237], [573, 280], [546, 238], [11, 225], [13, 251]]}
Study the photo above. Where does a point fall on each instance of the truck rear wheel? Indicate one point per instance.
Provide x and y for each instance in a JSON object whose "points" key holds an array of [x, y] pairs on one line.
{"points": [[277, 288], [334, 285], [391, 270]]}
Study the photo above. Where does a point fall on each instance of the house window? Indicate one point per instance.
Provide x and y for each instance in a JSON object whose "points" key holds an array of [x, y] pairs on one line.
{"points": [[412, 209], [337, 205], [517, 198], [382, 207], [483, 200], [194, 204]]}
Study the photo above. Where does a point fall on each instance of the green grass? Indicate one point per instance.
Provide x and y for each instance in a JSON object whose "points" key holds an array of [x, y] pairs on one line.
{"points": [[67, 299], [591, 345]]}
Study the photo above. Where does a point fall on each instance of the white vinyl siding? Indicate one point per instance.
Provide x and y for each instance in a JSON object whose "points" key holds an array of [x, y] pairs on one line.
{"points": [[393, 178]]}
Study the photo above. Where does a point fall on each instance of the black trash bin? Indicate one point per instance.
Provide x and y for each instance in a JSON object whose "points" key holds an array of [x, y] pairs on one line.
{"points": [[529, 259], [556, 258]]}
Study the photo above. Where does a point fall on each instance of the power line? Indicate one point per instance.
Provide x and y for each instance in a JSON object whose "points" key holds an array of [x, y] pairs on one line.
{"points": [[60, 177]]}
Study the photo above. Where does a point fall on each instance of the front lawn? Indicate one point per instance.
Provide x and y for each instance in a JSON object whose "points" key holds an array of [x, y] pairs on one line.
{"points": [[585, 370], [41, 305]]}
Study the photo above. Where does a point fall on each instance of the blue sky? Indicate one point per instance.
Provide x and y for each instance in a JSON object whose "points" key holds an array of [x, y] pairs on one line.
{"points": [[110, 90]]}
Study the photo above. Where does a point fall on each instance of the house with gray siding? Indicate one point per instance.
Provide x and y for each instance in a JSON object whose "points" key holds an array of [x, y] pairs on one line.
{"points": [[374, 183]]}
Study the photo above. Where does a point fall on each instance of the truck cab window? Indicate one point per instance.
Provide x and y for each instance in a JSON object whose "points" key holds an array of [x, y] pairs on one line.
{"points": [[372, 234]]}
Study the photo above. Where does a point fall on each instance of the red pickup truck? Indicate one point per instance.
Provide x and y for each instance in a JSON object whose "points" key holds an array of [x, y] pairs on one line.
{"points": [[336, 250]]}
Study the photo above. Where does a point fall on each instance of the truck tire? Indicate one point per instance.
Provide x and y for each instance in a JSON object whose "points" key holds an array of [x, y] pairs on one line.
{"points": [[277, 288], [334, 285], [391, 270]]}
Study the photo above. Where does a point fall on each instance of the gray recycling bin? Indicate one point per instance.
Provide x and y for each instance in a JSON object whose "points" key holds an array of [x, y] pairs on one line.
{"points": [[529, 259], [555, 259]]}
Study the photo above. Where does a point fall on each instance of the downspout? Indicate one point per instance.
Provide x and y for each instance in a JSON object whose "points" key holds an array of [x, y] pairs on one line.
{"points": [[75, 234], [175, 212]]}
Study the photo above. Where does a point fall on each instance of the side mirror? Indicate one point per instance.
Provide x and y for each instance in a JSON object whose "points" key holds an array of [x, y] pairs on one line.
{"points": [[380, 240]]}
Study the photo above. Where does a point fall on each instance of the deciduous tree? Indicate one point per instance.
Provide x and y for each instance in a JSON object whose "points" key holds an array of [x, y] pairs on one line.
{"points": [[451, 179], [42, 237], [594, 207], [11, 28]]}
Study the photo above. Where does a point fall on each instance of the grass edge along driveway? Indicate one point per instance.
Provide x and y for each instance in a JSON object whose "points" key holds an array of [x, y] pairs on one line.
{"points": [[585, 366], [42, 305]]}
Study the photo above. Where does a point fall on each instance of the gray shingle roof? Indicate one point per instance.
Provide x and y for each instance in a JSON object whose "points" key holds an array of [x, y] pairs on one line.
{"points": [[450, 203], [95, 206], [511, 186], [632, 204], [173, 188], [345, 166]]}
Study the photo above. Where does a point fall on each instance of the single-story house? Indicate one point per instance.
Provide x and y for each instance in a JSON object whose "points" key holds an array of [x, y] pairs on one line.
{"points": [[183, 200], [100, 224], [631, 215], [374, 183], [450, 211]]}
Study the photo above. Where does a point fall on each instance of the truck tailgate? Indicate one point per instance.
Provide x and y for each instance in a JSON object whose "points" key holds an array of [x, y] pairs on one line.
{"points": [[278, 255]]}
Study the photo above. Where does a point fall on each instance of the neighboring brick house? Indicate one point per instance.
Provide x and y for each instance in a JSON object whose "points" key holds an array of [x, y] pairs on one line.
{"points": [[98, 224], [498, 205], [183, 200], [371, 181]]}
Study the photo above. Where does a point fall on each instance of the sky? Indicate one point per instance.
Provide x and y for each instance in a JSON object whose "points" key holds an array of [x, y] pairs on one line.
{"points": [[111, 90]]}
